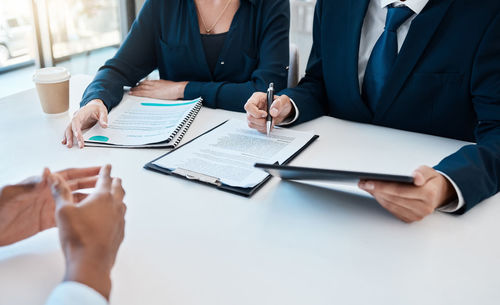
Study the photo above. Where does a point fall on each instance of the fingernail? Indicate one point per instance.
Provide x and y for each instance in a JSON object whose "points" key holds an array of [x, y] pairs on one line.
{"points": [[369, 186], [274, 112]]}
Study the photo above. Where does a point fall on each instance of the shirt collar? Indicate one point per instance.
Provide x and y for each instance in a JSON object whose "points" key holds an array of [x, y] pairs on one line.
{"points": [[415, 5]]}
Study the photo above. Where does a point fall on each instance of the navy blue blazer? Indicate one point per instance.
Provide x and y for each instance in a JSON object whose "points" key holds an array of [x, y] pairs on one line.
{"points": [[166, 36], [446, 82]]}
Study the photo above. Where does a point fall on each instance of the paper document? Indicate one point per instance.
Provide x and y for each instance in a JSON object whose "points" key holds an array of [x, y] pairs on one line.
{"points": [[229, 152], [143, 121]]}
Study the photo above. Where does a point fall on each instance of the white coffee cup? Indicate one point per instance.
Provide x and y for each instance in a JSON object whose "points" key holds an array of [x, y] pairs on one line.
{"points": [[52, 85]]}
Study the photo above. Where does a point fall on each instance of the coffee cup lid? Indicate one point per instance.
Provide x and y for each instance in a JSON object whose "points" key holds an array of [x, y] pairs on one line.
{"points": [[51, 75]]}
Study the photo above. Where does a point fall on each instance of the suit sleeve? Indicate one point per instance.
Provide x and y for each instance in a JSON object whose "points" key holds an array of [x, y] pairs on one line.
{"points": [[273, 60], [135, 59], [476, 168], [310, 94]]}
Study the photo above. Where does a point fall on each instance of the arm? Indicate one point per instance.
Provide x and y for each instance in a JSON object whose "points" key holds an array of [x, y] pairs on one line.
{"points": [[273, 58], [476, 168], [135, 59], [309, 95]]}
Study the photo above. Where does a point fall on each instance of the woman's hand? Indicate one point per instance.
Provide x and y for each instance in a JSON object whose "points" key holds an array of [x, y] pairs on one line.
{"points": [[160, 89], [28, 207], [84, 118]]}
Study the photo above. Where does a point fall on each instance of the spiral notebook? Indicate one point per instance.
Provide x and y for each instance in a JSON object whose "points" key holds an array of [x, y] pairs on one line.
{"points": [[145, 123]]}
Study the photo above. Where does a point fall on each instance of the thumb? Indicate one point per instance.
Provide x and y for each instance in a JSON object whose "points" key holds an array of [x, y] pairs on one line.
{"points": [[61, 191], [103, 117], [422, 175], [277, 106]]}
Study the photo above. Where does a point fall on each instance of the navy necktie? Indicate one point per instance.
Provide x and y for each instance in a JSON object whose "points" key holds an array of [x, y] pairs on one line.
{"points": [[383, 56]]}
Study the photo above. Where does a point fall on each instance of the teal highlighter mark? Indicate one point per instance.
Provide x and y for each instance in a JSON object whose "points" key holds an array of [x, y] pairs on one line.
{"points": [[99, 139], [168, 105]]}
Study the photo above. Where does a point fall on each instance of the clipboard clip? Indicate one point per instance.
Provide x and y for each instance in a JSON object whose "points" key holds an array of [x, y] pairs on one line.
{"points": [[197, 176]]}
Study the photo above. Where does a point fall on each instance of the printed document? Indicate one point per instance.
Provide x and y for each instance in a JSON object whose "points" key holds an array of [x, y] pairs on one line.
{"points": [[229, 152], [143, 121]]}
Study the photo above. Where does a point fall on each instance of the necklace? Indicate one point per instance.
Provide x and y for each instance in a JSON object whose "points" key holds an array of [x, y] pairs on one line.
{"points": [[209, 30]]}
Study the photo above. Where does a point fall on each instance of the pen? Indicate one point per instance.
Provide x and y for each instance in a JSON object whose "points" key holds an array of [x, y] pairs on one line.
{"points": [[270, 99]]}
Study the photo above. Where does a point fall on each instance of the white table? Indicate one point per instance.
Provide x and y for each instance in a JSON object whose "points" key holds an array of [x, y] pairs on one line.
{"points": [[290, 243]]}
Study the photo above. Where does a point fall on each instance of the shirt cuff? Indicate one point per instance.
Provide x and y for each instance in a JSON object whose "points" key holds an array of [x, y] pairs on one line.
{"points": [[455, 205], [75, 293], [290, 121]]}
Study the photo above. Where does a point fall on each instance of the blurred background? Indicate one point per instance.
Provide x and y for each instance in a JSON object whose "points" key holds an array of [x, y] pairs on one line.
{"points": [[82, 34]]}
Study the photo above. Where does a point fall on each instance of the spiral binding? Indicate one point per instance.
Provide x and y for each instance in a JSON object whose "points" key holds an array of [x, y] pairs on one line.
{"points": [[186, 123]]}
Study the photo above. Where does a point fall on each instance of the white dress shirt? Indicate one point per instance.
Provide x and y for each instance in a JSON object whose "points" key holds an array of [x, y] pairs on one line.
{"points": [[373, 27], [74, 293]]}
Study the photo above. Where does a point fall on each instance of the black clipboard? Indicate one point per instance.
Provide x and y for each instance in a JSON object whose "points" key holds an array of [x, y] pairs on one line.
{"points": [[212, 181], [317, 174]]}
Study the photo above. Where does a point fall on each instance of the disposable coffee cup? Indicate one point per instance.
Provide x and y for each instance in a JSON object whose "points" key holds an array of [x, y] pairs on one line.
{"points": [[52, 85]]}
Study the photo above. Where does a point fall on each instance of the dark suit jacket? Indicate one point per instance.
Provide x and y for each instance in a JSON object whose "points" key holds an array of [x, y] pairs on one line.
{"points": [[446, 82], [166, 36]]}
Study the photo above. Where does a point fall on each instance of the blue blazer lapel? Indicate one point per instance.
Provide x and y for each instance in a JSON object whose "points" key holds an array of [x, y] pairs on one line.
{"points": [[420, 34]]}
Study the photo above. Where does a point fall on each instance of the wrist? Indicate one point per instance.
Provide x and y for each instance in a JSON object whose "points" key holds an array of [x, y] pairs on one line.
{"points": [[449, 193], [97, 102], [180, 89], [89, 271]]}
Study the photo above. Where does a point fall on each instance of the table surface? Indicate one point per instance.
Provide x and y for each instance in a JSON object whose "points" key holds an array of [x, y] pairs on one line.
{"points": [[291, 243]]}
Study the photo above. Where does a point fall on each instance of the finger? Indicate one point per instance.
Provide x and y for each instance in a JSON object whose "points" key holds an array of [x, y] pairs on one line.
{"points": [[423, 174], [46, 177], [103, 117], [256, 121], [417, 207], [104, 181], [117, 190], [257, 127], [400, 212], [69, 136], [77, 133], [83, 183], [142, 93], [392, 188], [61, 192], [75, 173], [78, 197], [255, 105], [280, 108]]}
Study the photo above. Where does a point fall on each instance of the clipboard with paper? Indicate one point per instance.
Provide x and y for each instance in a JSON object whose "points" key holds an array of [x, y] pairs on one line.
{"points": [[224, 156]]}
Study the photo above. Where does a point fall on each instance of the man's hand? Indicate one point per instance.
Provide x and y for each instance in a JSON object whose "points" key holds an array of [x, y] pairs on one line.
{"points": [[412, 202], [160, 89], [86, 117], [91, 231], [28, 207], [256, 107]]}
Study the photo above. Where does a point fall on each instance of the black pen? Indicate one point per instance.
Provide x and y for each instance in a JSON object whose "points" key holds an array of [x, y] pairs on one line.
{"points": [[270, 99]]}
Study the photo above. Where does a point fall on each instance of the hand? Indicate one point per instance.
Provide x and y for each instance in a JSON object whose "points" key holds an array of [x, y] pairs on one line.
{"points": [[160, 89], [85, 117], [28, 208], [256, 108], [91, 231], [412, 202]]}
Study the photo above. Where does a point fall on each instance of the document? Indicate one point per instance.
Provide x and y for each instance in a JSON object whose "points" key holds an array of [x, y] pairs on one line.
{"points": [[138, 121], [229, 152]]}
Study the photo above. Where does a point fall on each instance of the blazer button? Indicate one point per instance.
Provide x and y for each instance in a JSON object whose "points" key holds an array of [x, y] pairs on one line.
{"points": [[221, 62]]}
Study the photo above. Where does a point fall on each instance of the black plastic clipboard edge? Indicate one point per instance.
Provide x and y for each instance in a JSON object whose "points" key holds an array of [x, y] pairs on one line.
{"points": [[246, 192], [323, 174]]}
